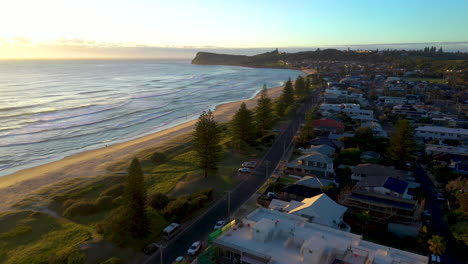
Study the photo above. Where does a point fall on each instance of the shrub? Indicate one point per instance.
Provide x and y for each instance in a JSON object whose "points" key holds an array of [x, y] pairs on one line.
{"points": [[158, 200], [114, 191], [112, 260], [206, 192], [80, 208], [76, 257], [67, 203], [158, 158], [117, 201], [104, 203], [176, 209]]}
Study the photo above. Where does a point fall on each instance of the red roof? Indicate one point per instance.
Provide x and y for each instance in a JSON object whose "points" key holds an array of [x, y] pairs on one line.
{"points": [[328, 123]]}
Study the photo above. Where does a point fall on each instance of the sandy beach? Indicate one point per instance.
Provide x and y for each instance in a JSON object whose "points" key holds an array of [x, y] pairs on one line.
{"points": [[16, 186]]}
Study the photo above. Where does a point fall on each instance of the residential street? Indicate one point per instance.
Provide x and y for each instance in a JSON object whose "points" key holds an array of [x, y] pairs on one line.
{"points": [[203, 226], [434, 206]]}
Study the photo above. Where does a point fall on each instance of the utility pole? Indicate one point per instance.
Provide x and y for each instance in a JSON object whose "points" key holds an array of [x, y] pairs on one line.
{"points": [[229, 205]]}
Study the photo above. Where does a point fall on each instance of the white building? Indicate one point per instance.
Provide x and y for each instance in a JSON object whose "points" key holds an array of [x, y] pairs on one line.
{"points": [[431, 148], [441, 133], [319, 209], [352, 110], [267, 236]]}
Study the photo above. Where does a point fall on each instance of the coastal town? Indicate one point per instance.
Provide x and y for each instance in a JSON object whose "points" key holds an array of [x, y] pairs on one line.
{"points": [[234, 132], [357, 160]]}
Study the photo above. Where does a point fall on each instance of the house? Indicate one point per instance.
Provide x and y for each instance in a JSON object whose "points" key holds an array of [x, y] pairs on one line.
{"points": [[322, 149], [385, 185], [363, 171], [270, 236], [337, 145], [410, 111], [326, 126], [376, 127], [392, 100], [319, 209], [313, 163], [441, 133], [433, 148], [304, 188]]}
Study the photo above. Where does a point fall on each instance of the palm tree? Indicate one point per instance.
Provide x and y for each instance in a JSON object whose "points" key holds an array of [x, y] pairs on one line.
{"points": [[436, 245], [363, 218]]}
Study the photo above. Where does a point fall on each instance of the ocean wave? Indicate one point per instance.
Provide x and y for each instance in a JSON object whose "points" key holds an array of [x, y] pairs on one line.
{"points": [[118, 126], [95, 92], [159, 93], [38, 128]]}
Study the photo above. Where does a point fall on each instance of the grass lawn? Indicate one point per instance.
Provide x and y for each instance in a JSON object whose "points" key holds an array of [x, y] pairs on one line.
{"points": [[32, 237], [430, 80]]}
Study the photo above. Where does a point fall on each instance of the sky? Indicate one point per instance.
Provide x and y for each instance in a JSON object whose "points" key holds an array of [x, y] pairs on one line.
{"points": [[60, 28]]}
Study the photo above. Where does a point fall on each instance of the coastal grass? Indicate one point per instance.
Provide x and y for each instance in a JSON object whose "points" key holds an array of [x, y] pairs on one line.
{"points": [[34, 237], [429, 80]]}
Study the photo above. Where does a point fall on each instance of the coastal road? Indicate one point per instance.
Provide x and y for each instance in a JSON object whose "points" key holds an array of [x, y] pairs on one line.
{"points": [[434, 206], [203, 226]]}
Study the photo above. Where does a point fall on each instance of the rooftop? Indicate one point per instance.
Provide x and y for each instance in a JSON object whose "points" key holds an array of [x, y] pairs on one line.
{"points": [[461, 131], [268, 236]]}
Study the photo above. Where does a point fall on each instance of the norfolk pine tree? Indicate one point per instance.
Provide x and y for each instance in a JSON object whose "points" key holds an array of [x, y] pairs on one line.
{"points": [[401, 144], [288, 93], [300, 88], [206, 142], [242, 125], [286, 99], [263, 112], [135, 202]]}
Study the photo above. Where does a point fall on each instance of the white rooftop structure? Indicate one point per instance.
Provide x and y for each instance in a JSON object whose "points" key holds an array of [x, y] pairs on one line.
{"points": [[349, 109], [273, 237], [441, 133]]}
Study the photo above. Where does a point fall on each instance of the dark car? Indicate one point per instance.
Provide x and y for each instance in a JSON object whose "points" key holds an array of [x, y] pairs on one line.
{"points": [[150, 249]]}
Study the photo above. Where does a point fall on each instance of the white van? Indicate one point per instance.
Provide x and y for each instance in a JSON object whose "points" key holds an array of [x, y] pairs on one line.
{"points": [[171, 231]]}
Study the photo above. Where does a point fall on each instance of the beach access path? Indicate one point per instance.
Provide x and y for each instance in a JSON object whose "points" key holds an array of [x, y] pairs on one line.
{"points": [[201, 227]]}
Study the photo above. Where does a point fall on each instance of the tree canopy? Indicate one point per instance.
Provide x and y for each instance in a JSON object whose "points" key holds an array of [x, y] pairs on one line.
{"points": [[264, 111], [401, 145], [135, 201], [242, 124], [206, 142]]}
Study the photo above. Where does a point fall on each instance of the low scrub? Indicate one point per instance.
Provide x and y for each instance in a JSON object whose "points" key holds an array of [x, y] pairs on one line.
{"points": [[114, 191], [80, 208], [34, 237], [72, 208], [158, 200], [185, 205]]}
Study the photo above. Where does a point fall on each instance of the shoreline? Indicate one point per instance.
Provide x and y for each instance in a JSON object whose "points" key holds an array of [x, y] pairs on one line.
{"points": [[94, 162]]}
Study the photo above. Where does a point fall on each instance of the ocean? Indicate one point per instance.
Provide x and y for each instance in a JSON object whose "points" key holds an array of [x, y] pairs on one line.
{"points": [[54, 108]]}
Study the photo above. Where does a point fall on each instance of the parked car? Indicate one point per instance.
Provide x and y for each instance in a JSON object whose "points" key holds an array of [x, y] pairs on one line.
{"points": [[219, 224], [249, 164], [244, 170], [150, 249], [271, 195], [426, 217], [179, 259], [440, 197], [194, 248], [435, 259]]}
